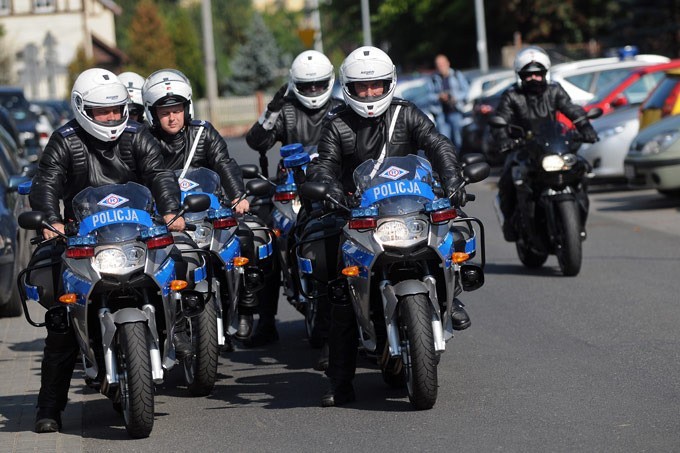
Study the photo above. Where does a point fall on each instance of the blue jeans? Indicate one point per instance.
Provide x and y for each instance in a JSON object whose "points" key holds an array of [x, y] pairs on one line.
{"points": [[451, 125]]}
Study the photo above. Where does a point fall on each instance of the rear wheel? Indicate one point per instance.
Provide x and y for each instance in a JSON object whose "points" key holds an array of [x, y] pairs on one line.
{"points": [[136, 386], [200, 369], [569, 238], [418, 355]]}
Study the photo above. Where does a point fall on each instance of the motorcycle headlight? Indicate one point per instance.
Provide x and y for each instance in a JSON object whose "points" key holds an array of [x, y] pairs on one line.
{"points": [[555, 162], [296, 204], [660, 143], [401, 233], [118, 260]]}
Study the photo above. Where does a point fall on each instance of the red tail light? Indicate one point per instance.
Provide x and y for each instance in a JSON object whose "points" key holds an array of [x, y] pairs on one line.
{"points": [[227, 222], [160, 242], [363, 224], [79, 252], [443, 215], [284, 196]]}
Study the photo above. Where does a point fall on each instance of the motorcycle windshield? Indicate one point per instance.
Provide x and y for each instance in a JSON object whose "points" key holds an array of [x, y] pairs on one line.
{"points": [[114, 212], [200, 180], [397, 185], [552, 137]]}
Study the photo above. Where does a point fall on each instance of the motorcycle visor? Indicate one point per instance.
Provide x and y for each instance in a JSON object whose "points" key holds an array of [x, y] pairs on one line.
{"points": [[109, 116], [314, 88], [369, 90]]}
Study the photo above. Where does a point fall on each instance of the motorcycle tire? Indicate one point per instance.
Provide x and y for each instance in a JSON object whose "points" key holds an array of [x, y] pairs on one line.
{"points": [[136, 386], [568, 251], [528, 257], [418, 355], [200, 370]]}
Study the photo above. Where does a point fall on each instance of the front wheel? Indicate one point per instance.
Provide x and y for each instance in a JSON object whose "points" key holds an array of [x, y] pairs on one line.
{"points": [[569, 238], [201, 369], [418, 355], [136, 386]]}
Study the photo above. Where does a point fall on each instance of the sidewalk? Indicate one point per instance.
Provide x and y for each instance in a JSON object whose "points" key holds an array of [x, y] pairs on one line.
{"points": [[21, 348]]}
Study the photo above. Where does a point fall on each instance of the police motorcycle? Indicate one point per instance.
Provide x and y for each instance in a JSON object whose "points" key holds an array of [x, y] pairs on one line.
{"points": [[299, 246], [552, 199], [215, 230], [408, 256], [119, 292]]}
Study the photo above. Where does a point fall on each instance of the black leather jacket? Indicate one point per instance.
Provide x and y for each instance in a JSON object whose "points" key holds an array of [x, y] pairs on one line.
{"points": [[66, 168], [530, 110], [295, 124], [348, 139], [211, 153]]}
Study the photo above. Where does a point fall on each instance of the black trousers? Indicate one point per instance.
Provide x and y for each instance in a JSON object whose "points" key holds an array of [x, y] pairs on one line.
{"points": [[59, 360], [507, 193], [343, 343]]}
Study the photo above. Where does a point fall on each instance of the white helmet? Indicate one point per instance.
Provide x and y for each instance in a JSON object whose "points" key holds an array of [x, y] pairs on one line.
{"points": [[99, 88], [532, 59], [133, 82], [312, 69], [167, 87], [367, 64]]}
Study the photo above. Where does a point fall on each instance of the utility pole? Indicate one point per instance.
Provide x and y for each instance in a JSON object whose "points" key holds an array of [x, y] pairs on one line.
{"points": [[481, 36], [209, 55], [366, 23]]}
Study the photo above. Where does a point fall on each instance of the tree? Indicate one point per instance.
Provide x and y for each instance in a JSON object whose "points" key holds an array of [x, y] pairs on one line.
{"points": [[79, 64], [188, 50], [151, 46], [256, 64], [5, 60]]}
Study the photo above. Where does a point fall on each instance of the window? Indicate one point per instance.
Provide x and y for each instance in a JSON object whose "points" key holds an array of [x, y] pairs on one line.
{"points": [[44, 6], [637, 92], [5, 7]]}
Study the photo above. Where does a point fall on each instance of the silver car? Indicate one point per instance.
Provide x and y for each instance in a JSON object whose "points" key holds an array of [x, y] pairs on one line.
{"points": [[616, 131]]}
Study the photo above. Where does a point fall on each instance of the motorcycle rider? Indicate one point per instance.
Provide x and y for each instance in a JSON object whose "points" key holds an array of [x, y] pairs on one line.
{"points": [[351, 135], [531, 102], [291, 119], [95, 148], [134, 82], [167, 97]]}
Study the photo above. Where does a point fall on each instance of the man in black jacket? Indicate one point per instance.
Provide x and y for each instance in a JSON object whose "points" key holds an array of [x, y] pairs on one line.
{"points": [[530, 103], [98, 147], [295, 118], [353, 134]]}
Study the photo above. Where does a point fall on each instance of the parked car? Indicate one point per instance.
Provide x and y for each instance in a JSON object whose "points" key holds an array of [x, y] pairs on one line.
{"points": [[663, 101], [482, 82], [27, 121], [633, 89], [15, 248], [616, 132], [653, 159], [59, 110]]}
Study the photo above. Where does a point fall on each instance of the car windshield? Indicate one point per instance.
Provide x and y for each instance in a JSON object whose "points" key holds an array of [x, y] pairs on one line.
{"points": [[396, 186], [114, 212]]}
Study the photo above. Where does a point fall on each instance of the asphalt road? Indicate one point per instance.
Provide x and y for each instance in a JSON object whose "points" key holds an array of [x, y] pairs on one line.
{"points": [[550, 363]]}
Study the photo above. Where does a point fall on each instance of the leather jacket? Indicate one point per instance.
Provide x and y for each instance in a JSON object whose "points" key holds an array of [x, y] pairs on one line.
{"points": [[211, 152], [295, 124], [348, 139], [74, 160], [529, 110]]}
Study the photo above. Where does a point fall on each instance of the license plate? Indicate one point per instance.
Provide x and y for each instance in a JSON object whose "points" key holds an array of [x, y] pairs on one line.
{"points": [[629, 171]]}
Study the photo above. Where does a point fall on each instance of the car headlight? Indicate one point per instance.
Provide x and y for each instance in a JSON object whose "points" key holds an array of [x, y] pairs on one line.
{"points": [[610, 132], [660, 143], [118, 260], [555, 162], [401, 233]]}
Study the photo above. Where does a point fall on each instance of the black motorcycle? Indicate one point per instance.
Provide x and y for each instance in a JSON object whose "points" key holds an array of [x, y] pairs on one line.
{"points": [[552, 198]]}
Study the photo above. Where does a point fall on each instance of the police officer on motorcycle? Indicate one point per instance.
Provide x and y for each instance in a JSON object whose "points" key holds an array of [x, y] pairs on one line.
{"points": [[353, 134], [291, 119], [96, 148], [167, 97], [532, 101], [134, 82]]}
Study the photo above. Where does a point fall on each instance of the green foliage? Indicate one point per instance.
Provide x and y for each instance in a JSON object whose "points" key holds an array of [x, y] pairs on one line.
{"points": [[79, 64], [283, 26], [5, 60], [256, 64], [188, 50], [151, 45], [230, 27]]}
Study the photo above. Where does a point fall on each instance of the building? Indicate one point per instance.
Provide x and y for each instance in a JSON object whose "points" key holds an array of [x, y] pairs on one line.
{"points": [[43, 37]]}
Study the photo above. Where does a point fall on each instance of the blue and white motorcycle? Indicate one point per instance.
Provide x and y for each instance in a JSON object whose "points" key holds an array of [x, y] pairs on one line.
{"points": [[119, 292], [408, 256]]}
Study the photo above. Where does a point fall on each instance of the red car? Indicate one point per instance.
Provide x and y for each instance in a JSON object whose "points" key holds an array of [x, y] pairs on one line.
{"points": [[633, 89]]}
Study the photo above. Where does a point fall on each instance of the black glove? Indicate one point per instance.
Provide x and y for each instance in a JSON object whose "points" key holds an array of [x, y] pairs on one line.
{"points": [[458, 198], [337, 196], [506, 144], [588, 133], [276, 104]]}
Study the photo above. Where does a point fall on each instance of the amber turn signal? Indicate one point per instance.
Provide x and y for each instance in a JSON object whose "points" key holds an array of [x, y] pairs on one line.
{"points": [[178, 285]]}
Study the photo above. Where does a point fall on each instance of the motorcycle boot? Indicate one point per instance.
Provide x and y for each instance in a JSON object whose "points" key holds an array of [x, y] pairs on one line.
{"points": [[47, 420], [509, 233], [246, 307], [343, 341], [180, 338], [459, 316], [340, 393], [322, 361]]}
